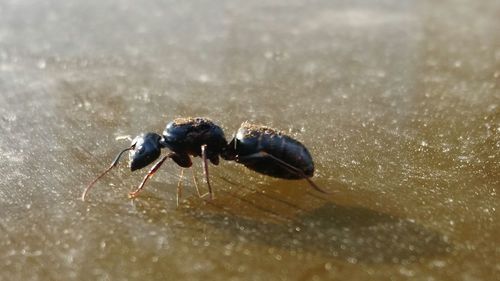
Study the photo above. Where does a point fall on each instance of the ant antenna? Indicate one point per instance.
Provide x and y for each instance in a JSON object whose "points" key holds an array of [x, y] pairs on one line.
{"points": [[113, 164]]}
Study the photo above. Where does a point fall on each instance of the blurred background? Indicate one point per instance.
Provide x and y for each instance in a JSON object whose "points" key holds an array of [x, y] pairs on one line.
{"points": [[397, 101]]}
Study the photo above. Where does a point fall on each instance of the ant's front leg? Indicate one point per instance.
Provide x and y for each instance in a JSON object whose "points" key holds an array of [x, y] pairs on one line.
{"points": [[182, 160], [151, 172]]}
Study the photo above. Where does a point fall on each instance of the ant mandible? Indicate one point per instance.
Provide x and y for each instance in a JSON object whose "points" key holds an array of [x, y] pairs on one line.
{"points": [[259, 148]]}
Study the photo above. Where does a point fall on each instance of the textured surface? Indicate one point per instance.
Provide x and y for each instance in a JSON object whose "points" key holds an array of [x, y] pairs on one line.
{"points": [[397, 101]]}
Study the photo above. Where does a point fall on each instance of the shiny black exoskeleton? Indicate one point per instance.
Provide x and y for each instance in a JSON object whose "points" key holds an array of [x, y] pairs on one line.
{"points": [[195, 137], [259, 148], [271, 152], [184, 137]]}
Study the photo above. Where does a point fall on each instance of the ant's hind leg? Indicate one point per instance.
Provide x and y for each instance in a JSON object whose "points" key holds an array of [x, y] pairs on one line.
{"points": [[263, 154]]}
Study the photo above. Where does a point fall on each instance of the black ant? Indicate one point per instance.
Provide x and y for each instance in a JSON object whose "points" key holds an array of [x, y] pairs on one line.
{"points": [[184, 137], [259, 148]]}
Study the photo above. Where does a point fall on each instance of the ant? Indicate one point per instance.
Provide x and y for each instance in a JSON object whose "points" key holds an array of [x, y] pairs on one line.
{"points": [[259, 148], [184, 137]]}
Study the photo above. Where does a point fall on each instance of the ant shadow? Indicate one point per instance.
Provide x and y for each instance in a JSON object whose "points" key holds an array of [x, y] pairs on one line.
{"points": [[353, 233], [318, 227]]}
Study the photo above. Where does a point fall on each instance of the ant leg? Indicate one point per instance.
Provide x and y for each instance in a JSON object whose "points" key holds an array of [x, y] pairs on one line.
{"points": [[113, 164], [149, 175], [183, 160], [205, 169], [263, 154], [196, 183], [179, 187]]}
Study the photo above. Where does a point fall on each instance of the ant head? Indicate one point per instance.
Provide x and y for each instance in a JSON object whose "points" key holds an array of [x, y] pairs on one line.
{"points": [[146, 148]]}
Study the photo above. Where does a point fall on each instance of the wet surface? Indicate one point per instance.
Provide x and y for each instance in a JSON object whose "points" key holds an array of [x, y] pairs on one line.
{"points": [[397, 101]]}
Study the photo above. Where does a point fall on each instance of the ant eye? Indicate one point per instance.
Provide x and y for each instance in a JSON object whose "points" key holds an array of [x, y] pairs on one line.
{"points": [[138, 139]]}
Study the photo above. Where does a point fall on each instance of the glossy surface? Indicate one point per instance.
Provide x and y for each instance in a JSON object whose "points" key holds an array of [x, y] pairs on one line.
{"points": [[397, 101]]}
